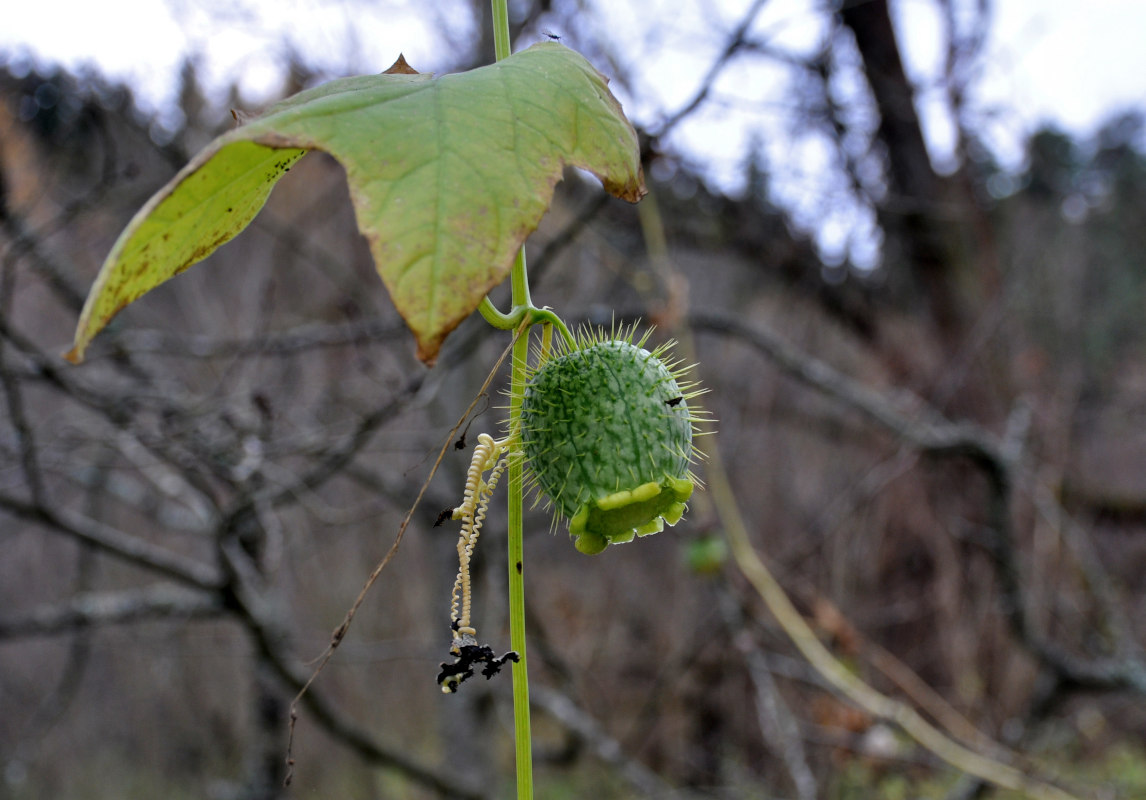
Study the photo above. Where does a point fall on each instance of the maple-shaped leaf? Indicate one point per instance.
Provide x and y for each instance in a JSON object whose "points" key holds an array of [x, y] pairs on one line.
{"points": [[448, 176]]}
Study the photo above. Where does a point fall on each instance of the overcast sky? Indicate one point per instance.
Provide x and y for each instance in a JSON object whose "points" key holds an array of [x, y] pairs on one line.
{"points": [[1069, 62]]}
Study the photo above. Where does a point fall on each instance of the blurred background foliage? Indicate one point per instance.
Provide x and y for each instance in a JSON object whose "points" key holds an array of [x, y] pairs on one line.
{"points": [[185, 518]]}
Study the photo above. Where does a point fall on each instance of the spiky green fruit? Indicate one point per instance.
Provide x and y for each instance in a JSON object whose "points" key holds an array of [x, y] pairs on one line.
{"points": [[607, 431]]}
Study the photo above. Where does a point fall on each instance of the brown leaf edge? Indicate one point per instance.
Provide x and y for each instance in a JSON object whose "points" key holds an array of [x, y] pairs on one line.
{"points": [[400, 67]]}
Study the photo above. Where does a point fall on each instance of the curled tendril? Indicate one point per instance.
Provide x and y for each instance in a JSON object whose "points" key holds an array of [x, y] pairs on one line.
{"points": [[489, 456]]}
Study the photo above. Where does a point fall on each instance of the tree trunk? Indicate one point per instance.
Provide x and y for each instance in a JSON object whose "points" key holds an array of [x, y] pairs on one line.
{"points": [[924, 215]]}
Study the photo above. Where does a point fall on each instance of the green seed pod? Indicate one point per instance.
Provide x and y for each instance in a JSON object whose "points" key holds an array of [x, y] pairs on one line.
{"points": [[607, 430]]}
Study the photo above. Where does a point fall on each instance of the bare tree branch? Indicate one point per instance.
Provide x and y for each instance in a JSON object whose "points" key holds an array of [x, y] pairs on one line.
{"points": [[929, 432], [25, 439], [604, 746], [736, 41], [906, 415], [844, 681], [777, 724], [331, 461], [270, 636], [1096, 576], [279, 345], [115, 542], [98, 609], [113, 407], [27, 242]]}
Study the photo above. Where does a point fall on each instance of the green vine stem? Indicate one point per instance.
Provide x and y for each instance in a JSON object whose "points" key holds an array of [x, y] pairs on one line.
{"points": [[521, 724], [519, 282]]}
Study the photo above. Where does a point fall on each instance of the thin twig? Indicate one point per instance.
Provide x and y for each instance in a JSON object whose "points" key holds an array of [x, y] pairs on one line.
{"points": [[340, 632], [736, 41], [260, 620]]}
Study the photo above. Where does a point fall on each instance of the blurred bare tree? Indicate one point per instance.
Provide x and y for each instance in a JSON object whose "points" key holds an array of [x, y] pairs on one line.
{"points": [[951, 488]]}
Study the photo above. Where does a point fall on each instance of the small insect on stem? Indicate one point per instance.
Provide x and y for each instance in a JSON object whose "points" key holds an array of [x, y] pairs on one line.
{"points": [[553, 37], [443, 515], [673, 402]]}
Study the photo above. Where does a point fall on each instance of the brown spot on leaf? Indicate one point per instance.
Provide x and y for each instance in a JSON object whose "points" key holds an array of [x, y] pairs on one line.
{"points": [[400, 67]]}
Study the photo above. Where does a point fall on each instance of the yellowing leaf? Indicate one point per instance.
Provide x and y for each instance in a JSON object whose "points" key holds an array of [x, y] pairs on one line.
{"points": [[448, 176]]}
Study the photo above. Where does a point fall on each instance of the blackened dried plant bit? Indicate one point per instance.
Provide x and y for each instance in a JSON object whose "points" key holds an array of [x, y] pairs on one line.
{"points": [[467, 656]]}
